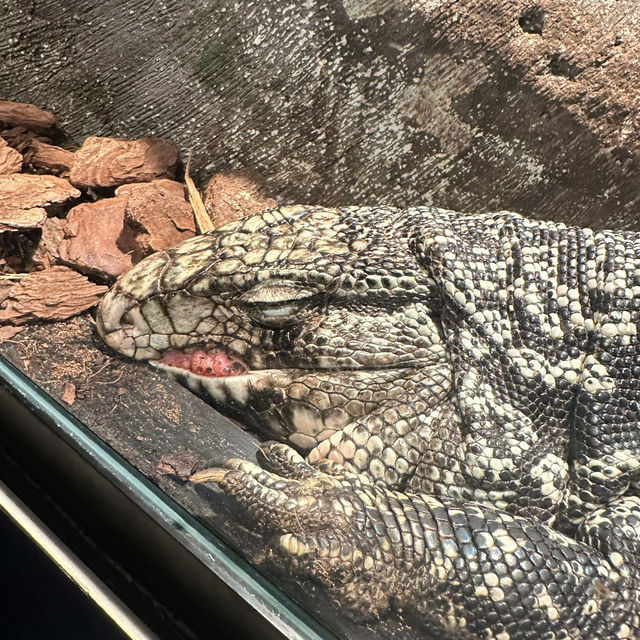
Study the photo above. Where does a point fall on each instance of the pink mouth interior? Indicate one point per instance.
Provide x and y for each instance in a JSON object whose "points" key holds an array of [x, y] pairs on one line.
{"points": [[212, 365]]}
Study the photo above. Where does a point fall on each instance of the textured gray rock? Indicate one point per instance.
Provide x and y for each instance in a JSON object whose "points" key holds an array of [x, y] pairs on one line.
{"points": [[473, 105]]}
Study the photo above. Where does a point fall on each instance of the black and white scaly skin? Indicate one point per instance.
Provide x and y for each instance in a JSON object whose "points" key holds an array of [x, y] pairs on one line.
{"points": [[466, 391]]}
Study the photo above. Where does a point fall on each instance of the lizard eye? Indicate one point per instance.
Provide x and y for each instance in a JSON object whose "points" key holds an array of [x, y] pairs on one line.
{"points": [[276, 303]]}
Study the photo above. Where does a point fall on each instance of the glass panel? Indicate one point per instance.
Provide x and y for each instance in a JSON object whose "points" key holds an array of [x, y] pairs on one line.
{"points": [[135, 438]]}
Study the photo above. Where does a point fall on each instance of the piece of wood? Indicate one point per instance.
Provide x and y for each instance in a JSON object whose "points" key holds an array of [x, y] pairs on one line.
{"points": [[14, 219], [47, 251], [179, 464], [10, 159], [24, 199], [157, 216], [22, 114], [43, 157], [8, 331], [202, 218], [111, 162], [55, 294], [232, 195], [69, 395], [92, 233], [19, 138]]}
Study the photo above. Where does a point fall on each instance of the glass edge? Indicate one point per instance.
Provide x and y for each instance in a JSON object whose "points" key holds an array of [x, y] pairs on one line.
{"points": [[213, 552]]}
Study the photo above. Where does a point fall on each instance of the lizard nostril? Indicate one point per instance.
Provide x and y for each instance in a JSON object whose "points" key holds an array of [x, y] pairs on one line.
{"points": [[126, 321], [113, 311], [119, 322], [123, 327]]}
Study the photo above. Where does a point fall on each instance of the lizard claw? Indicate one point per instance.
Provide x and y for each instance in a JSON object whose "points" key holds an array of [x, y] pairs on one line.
{"points": [[214, 474], [276, 501], [283, 460], [323, 525]]}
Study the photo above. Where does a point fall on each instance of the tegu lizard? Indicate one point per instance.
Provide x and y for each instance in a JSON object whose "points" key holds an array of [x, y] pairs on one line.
{"points": [[454, 400]]}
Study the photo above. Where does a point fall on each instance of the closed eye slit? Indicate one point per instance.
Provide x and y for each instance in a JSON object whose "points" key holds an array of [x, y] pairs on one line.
{"points": [[274, 303], [274, 293]]}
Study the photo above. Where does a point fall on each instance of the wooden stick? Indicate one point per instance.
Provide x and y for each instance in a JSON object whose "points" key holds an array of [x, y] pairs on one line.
{"points": [[202, 217]]}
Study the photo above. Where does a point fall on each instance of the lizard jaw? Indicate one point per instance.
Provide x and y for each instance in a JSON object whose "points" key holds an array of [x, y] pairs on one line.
{"points": [[260, 401], [242, 394], [218, 388]]}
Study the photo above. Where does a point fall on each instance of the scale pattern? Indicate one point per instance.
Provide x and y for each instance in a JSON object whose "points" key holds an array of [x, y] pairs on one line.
{"points": [[465, 391]]}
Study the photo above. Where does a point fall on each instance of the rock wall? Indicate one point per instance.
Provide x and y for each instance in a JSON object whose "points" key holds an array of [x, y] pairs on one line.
{"points": [[468, 104]]}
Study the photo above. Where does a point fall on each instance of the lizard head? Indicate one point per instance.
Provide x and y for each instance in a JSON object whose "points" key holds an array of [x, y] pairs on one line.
{"points": [[297, 320]]}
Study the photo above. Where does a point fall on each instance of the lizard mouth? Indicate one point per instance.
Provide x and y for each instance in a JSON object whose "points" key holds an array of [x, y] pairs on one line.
{"points": [[209, 364]]}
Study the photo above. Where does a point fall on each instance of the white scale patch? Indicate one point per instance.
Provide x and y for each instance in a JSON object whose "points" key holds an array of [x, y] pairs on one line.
{"points": [[235, 388]]}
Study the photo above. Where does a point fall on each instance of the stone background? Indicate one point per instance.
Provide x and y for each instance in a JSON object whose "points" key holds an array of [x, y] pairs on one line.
{"points": [[469, 104]]}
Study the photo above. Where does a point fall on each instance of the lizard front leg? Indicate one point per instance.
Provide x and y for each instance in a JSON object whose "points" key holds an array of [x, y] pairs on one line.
{"points": [[467, 570]]}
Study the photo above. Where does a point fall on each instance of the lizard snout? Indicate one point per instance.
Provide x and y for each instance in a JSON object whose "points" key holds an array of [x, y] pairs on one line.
{"points": [[123, 327]]}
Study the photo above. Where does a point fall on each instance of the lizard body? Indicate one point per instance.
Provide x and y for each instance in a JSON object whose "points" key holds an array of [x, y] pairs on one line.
{"points": [[465, 391]]}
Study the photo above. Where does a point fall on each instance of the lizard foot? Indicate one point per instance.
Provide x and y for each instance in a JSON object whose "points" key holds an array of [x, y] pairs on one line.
{"points": [[325, 523]]}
